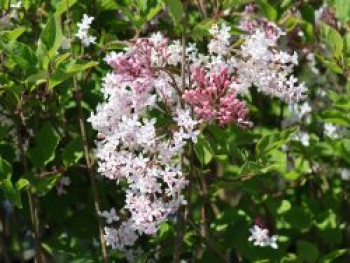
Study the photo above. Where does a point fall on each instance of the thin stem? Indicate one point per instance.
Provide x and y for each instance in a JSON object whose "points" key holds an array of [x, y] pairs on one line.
{"points": [[202, 8], [32, 202], [183, 213], [82, 126], [203, 193]]}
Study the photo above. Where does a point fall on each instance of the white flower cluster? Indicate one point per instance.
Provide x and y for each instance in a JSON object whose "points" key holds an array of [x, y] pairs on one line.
{"points": [[261, 64], [258, 62], [133, 149], [260, 237], [83, 31]]}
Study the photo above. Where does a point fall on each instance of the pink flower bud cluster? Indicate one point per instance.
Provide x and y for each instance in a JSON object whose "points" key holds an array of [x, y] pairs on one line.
{"points": [[212, 99]]}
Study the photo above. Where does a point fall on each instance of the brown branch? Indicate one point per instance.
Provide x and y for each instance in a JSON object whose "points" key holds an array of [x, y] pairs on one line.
{"points": [[203, 193], [202, 8], [78, 99], [33, 201]]}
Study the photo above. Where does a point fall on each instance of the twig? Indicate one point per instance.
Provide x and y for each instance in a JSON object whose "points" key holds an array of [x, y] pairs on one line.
{"points": [[32, 199], [203, 193], [211, 243], [90, 171], [201, 8], [236, 180], [32, 202]]}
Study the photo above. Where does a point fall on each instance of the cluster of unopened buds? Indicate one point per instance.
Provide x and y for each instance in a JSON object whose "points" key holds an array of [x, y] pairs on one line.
{"points": [[146, 152]]}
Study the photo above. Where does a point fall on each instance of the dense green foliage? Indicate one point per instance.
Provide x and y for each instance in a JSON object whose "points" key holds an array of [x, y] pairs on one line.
{"points": [[264, 173]]}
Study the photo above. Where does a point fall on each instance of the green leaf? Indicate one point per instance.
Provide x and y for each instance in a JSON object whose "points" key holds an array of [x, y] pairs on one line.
{"points": [[78, 66], [307, 251], [202, 29], [332, 65], [269, 11], [5, 169], [284, 207], [203, 151], [65, 71], [73, 152], [330, 257], [4, 4], [176, 9], [298, 218], [22, 55], [153, 12], [307, 13], [308, 29], [61, 7], [291, 23], [38, 77], [57, 77], [273, 141], [286, 3], [27, 3], [6, 186], [11, 193], [108, 5], [342, 10], [336, 117], [251, 168], [22, 183], [332, 39], [347, 45], [51, 37], [46, 143], [42, 185], [12, 35]]}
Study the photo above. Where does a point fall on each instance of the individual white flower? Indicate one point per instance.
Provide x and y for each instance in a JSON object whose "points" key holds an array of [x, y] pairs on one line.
{"points": [[157, 38], [83, 31], [62, 183], [221, 39], [345, 174], [273, 241], [110, 216], [303, 137], [15, 5], [174, 53], [260, 237], [330, 130]]}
